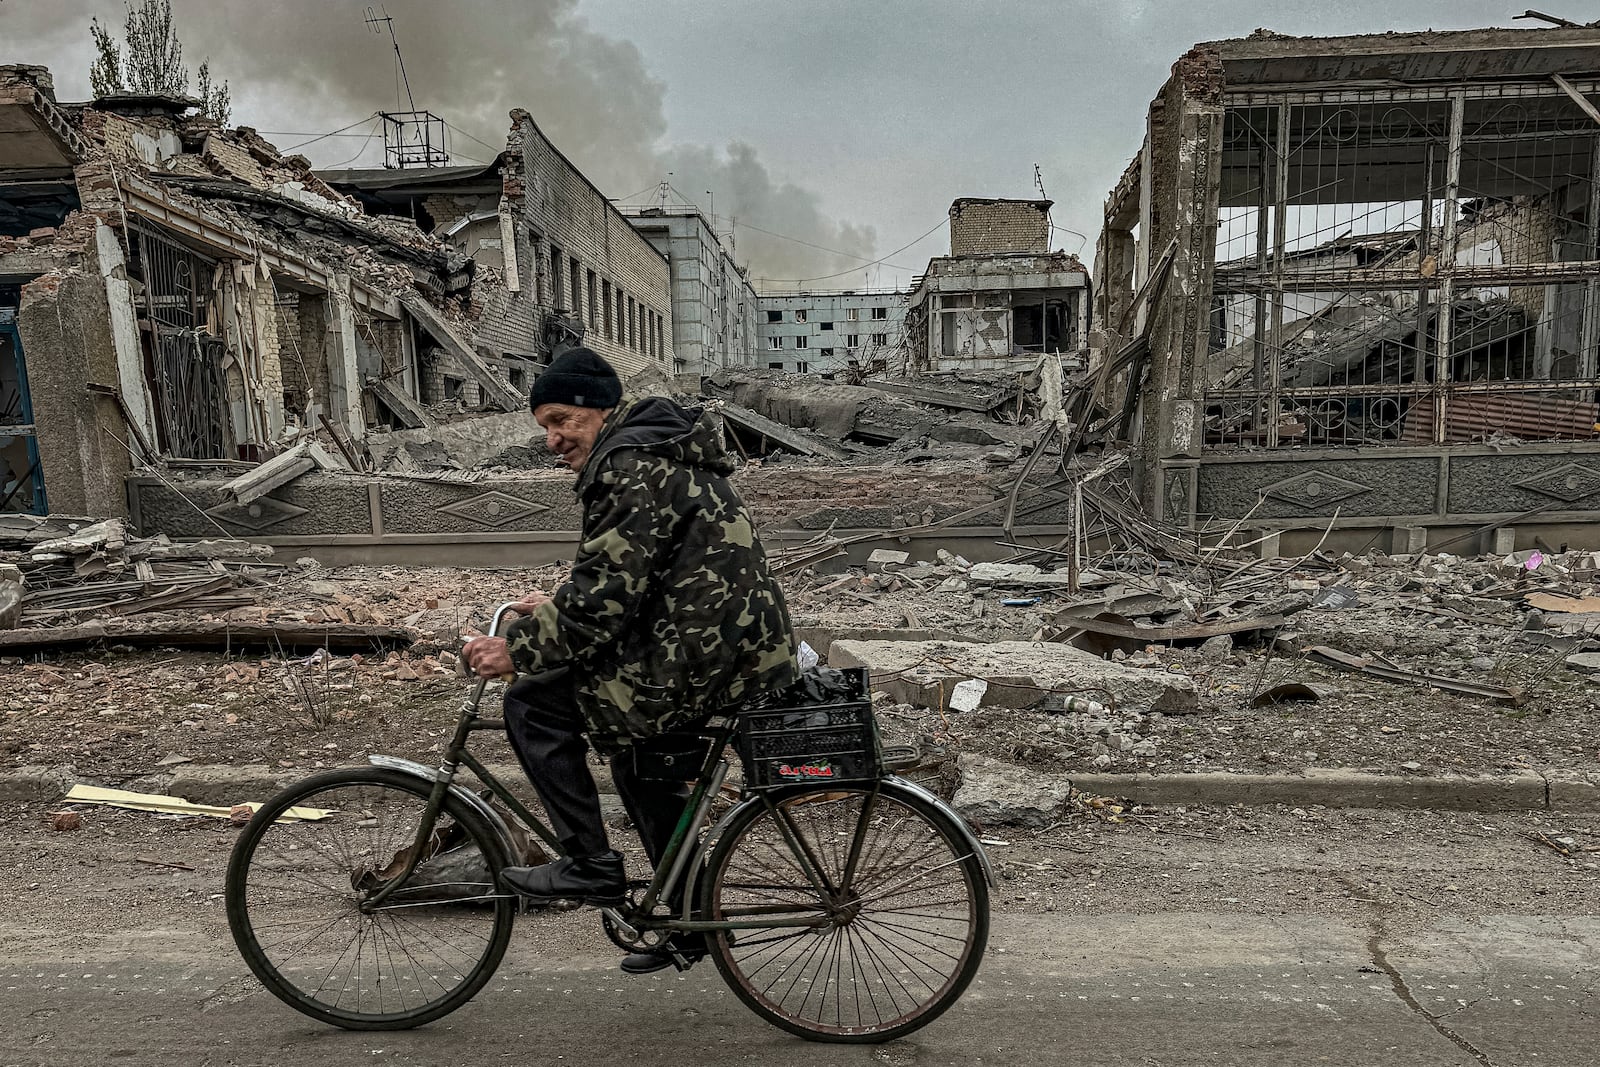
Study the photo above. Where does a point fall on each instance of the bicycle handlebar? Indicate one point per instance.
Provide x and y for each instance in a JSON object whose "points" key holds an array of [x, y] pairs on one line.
{"points": [[500, 613]]}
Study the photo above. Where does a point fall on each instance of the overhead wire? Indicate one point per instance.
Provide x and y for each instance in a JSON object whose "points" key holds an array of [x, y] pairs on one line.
{"points": [[852, 270], [373, 132], [468, 136], [332, 133]]}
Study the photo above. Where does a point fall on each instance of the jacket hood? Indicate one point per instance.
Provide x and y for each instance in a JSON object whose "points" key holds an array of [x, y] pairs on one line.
{"points": [[661, 427]]}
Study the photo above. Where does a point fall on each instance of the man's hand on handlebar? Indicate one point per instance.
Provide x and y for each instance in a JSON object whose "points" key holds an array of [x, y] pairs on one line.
{"points": [[528, 604], [487, 658]]}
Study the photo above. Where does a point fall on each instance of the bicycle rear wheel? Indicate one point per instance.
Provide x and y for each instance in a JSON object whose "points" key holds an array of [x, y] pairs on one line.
{"points": [[894, 901], [295, 890]]}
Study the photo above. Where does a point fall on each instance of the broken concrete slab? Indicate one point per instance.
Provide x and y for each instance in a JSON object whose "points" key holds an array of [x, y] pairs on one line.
{"points": [[109, 536], [1019, 674], [1584, 661], [401, 404], [993, 793], [1025, 574], [777, 433], [276, 472], [822, 638]]}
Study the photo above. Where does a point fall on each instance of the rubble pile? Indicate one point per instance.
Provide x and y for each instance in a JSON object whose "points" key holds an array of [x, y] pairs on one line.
{"points": [[1158, 652]]}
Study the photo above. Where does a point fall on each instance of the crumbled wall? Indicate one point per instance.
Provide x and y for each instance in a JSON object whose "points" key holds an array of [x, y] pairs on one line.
{"points": [[992, 227], [65, 325]]}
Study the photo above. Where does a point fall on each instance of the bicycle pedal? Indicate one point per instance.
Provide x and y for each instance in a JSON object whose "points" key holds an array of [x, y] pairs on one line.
{"points": [[556, 903]]}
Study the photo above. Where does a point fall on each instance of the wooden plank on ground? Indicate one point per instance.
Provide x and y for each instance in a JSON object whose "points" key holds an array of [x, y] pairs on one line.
{"points": [[496, 390]]}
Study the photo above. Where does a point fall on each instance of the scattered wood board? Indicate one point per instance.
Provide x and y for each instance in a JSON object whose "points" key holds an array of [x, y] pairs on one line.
{"points": [[1565, 605], [169, 805]]}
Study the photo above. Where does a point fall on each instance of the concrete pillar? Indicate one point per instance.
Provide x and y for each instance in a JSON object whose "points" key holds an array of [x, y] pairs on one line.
{"points": [[1504, 542], [1269, 545], [344, 377], [65, 328], [1186, 156]]}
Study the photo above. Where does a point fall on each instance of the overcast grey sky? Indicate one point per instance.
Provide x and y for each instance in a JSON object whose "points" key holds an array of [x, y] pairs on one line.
{"points": [[846, 124]]}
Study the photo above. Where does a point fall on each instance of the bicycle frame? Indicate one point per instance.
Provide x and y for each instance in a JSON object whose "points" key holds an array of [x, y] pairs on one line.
{"points": [[685, 846]]}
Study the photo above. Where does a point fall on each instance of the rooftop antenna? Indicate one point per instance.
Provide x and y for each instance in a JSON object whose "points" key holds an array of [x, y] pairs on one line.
{"points": [[1038, 182], [410, 138], [380, 16]]}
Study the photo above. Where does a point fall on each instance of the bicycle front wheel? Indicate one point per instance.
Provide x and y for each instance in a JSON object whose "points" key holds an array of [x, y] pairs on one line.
{"points": [[860, 913], [298, 892]]}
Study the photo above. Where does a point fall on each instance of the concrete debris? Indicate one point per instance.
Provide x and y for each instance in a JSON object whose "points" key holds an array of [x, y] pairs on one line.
{"points": [[993, 793], [1018, 673]]}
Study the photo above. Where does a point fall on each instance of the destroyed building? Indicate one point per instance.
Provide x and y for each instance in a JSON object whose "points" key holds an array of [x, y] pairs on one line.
{"points": [[1002, 298], [714, 306], [1350, 288], [173, 292], [576, 270], [824, 331]]}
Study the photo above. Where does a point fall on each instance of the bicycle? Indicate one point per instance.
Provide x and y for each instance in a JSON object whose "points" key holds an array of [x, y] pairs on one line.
{"points": [[839, 902]]}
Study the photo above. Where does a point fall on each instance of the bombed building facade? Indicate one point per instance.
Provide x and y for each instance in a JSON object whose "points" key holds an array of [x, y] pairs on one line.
{"points": [[172, 291], [1002, 298], [826, 331], [1350, 287]]}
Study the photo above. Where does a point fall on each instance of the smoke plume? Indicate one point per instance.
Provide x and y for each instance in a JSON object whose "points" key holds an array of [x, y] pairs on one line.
{"points": [[314, 65]]}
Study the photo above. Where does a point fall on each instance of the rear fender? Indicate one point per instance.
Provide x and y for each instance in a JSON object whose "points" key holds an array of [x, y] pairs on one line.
{"points": [[891, 784]]}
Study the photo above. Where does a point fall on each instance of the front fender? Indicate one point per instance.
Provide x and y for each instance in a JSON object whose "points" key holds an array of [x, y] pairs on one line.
{"points": [[461, 793]]}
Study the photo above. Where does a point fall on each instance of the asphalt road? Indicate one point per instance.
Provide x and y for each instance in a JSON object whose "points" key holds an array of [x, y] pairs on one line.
{"points": [[1155, 990], [1263, 936]]}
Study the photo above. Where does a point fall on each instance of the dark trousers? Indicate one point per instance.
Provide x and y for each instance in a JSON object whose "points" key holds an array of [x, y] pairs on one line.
{"points": [[546, 730]]}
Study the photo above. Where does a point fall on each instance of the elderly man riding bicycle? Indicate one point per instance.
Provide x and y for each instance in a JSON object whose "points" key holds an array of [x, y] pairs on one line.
{"points": [[670, 614]]}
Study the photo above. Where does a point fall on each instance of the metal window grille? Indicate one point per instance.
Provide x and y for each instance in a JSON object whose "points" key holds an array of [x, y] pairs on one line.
{"points": [[183, 360], [1405, 267]]}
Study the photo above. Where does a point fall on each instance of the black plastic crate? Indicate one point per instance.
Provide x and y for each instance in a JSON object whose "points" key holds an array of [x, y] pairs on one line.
{"points": [[813, 743]]}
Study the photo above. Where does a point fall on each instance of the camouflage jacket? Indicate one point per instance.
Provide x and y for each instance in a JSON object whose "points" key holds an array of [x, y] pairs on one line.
{"points": [[671, 611]]}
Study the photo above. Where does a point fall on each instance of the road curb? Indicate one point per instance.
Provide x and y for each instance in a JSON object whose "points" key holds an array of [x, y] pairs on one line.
{"points": [[1341, 788], [1332, 788]]}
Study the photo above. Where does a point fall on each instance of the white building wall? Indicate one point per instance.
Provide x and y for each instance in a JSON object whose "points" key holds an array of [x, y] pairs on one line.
{"points": [[714, 305], [827, 331]]}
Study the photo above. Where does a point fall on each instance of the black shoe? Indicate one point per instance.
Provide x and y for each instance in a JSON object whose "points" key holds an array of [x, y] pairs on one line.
{"points": [[680, 951], [594, 880]]}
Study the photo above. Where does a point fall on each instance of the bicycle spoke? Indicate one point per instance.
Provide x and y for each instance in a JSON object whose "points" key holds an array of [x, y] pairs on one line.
{"points": [[897, 896]]}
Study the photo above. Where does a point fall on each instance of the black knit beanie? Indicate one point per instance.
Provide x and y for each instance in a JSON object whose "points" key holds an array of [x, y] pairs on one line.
{"points": [[578, 377]]}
